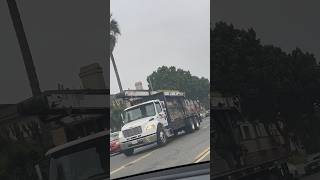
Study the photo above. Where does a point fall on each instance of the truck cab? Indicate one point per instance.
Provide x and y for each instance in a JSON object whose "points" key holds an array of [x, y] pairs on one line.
{"points": [[144, 123]]}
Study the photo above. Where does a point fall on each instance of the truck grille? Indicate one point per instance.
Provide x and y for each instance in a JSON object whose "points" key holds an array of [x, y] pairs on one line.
{"points": [[132, 132]]}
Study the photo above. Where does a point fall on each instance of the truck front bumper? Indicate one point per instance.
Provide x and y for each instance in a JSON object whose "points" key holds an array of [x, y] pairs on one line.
{"points": [[138, 142]]}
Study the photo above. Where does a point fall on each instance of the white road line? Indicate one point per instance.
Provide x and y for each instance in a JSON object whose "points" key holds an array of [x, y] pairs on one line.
{"points": [[124, 166]]}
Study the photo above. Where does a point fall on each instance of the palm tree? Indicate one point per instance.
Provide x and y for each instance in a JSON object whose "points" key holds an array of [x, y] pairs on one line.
{"points": [[24, 47], [114, 32]]}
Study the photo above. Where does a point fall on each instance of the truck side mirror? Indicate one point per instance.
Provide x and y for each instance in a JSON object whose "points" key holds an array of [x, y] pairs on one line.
{"points": [[38, 171]]}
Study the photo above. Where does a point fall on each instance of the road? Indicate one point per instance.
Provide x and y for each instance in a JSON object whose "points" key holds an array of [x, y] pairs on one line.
{"points": [[181, 150]]}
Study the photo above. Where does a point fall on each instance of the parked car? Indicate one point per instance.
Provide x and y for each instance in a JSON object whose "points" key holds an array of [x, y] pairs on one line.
{"points": [[114, 143], [207, 114], [203, 115], [313, 163]]}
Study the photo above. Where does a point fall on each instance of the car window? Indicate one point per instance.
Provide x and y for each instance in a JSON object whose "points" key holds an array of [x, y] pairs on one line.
{"points": [[157, 59]]}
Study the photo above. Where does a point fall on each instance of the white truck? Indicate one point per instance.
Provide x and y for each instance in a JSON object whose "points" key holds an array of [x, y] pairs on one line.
{"points": [[157, 117]]}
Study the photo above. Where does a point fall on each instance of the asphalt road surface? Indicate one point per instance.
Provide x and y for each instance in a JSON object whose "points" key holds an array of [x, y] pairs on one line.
{"points": [[180, 150]]}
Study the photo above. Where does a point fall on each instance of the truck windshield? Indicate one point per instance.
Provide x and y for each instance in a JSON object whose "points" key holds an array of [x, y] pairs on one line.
{"points": [[72, 167], [142, 111]]}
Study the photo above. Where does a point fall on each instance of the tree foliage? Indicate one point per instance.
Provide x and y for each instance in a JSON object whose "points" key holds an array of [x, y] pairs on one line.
{"points": [[115, 117], [171, 78], [114, 32], [271, 83]]}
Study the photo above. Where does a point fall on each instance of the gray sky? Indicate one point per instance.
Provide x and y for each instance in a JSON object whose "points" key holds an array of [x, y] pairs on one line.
{"points": [[286, 23], [63, 36], [160, 32]]}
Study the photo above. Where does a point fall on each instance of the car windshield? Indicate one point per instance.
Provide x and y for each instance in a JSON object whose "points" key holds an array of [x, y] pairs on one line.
{"points": [[71, 166], [163, 64], [142, 111]]}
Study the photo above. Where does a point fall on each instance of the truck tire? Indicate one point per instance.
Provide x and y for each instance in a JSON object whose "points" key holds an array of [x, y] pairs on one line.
{"points": [[176, 132], [161, 136], [190, 127], [128, 152], [196, 123]]}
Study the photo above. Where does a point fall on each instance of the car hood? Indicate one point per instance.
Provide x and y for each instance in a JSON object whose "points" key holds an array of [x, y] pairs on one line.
{"points": [[139, 122]]}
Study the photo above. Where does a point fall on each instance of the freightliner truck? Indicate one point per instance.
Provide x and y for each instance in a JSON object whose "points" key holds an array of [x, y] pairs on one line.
{"points": [[156, 117]]}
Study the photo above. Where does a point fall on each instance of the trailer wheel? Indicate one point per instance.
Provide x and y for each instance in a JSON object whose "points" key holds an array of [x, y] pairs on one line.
{"points": [[128, 152], [190, 127], [196, 123], [161, 136]]}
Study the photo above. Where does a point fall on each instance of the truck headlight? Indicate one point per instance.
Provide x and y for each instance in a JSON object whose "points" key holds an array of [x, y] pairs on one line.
{"points": [[150, 127]]}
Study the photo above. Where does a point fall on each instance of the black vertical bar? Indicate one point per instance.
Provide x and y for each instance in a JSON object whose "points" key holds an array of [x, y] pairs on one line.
{"points": [[24, 47]]}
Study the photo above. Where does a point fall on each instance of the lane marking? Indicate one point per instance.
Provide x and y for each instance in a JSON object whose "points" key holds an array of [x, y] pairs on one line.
{"points": [[130, 163], [205, 155], [200, 156]]}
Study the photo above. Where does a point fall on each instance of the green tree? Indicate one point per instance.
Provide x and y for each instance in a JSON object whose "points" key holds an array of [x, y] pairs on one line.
{"points": [[170, 78], [115, 117], [272, 84]]}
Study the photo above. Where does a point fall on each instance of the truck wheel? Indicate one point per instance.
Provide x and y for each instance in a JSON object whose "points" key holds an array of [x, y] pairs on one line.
{"points": [[190, 127], [161, 136], [196, 123], [128, 152], [176, 132]]}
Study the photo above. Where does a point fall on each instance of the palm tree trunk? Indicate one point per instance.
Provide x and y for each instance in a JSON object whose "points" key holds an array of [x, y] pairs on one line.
{"points": [[24, 47], [117, 73]]}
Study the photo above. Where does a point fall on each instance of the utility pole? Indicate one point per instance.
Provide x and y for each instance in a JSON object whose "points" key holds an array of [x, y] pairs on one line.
{"points": [[45, 138], [150, 83], [24, 47]]}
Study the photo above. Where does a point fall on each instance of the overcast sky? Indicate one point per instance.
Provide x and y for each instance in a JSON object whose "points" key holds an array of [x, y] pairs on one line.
{"points": [[63, 36], [160, 32], [285, 23]]}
